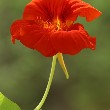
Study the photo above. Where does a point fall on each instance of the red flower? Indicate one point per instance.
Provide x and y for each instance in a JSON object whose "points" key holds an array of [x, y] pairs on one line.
{"points": [[47, 26]]}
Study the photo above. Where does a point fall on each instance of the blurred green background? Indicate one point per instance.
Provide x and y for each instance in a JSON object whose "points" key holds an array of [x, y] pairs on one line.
{"points": [[24, 72]]}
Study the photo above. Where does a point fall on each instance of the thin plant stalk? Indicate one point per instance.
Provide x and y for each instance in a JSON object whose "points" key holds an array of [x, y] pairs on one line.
{"points": [[48, 85]]}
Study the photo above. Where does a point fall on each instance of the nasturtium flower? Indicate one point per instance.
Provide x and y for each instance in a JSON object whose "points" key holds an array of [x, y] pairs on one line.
{"points": [[48, 26]]}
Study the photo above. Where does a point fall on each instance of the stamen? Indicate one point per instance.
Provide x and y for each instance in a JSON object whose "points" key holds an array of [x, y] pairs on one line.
{"points": [[58, 23]]}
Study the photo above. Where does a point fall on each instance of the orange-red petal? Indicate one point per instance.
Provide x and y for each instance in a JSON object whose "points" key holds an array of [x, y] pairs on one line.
{"points": [[77, 8], [49, 10], [49, 42], [33, 36], [72, 41], [86, 10]]}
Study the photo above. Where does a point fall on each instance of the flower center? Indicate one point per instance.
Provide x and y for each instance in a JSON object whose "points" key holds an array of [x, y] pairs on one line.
{"points": [[56, 24]]}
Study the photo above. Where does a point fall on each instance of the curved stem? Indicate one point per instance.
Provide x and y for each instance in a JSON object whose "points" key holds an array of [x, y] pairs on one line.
{"points": [[48, 85]]}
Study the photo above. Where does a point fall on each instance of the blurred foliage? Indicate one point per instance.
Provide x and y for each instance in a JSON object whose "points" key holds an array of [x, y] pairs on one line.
{"points": [[6, 104], [24, 72]]}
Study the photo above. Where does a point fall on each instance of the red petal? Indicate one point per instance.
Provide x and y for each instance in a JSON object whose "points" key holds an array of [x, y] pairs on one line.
{"points": [[33, 36], [64, 9], [34, 10], [49, 43], [72, 41], [46, 10], [80, 8]]}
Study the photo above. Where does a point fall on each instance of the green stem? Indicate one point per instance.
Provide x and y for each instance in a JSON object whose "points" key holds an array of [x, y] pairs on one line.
{"points": [[48, 85]]}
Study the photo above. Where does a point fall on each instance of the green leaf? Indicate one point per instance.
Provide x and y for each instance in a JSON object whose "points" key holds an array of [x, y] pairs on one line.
{"points": [[6, 104]]}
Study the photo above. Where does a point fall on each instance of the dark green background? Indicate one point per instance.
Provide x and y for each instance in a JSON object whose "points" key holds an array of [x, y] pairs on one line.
{"points": [[24, 72]]}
